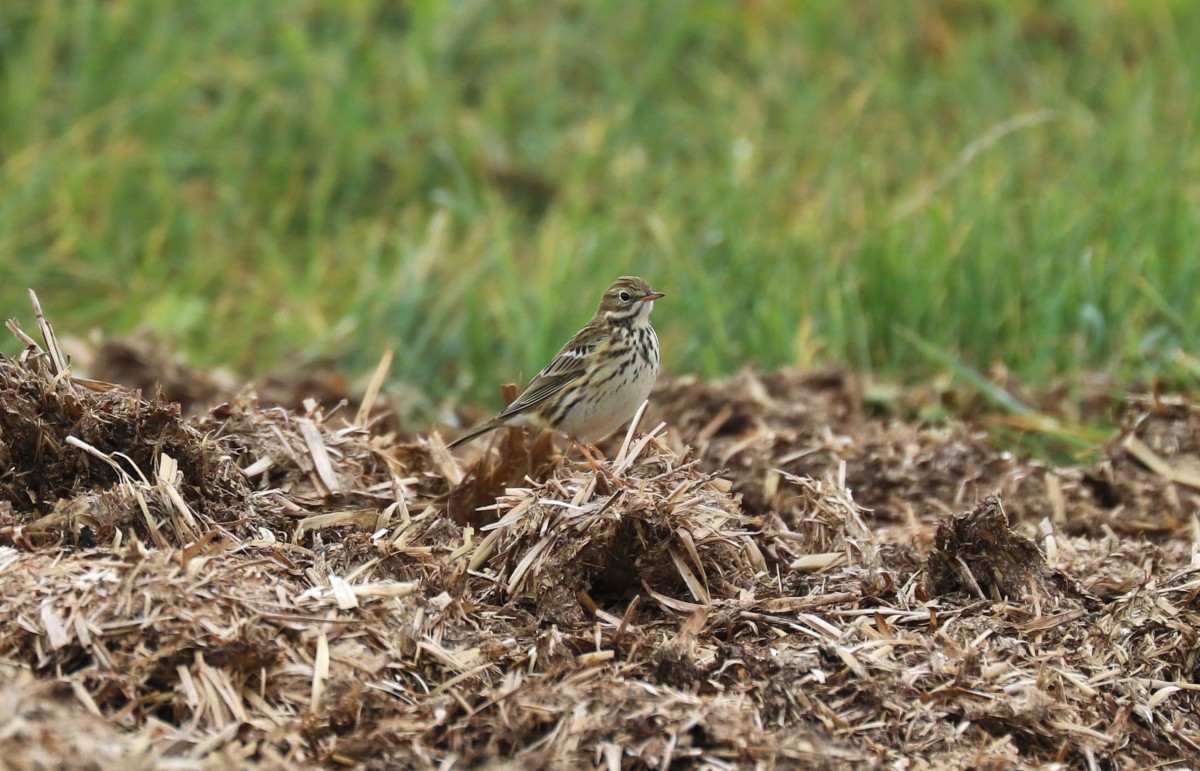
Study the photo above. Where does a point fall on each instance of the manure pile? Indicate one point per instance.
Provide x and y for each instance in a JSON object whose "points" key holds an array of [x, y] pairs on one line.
{"points": [[783, 581]]}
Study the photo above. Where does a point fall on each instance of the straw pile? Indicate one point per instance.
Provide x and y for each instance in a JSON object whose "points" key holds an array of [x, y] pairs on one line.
{"points": [[264, 587]]}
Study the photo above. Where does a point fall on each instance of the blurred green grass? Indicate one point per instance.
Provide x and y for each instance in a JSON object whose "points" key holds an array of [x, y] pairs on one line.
{"points": [[1007, 181]]}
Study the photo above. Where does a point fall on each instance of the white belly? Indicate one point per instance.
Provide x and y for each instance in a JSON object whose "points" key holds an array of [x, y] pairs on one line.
{"points": [[597, 417]]}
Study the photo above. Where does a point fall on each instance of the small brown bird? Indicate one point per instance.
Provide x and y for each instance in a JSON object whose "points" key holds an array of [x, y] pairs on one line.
{"points": [[599, 378]]}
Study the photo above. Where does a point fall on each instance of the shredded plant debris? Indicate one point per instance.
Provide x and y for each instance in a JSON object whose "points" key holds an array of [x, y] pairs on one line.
{"points": [[781, 578]]}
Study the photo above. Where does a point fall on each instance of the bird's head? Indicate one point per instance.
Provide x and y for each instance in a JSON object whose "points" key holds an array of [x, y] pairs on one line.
{"points": [[629, 299]]}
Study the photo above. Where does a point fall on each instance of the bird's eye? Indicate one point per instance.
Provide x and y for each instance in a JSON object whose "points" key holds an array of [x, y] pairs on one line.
{"points": [[624, 297]]}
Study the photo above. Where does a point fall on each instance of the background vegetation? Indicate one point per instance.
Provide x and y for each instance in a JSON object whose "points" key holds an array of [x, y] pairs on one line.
{"points": [[849, 180]]}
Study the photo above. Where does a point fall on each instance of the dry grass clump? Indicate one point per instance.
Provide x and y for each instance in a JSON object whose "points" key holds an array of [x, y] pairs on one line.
{"points": [[978, 553], [85, 460], [358, 598], [669, 530]]}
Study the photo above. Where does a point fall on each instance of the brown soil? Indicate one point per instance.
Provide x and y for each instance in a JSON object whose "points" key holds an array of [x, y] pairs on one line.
{"points": [[785, 578]]}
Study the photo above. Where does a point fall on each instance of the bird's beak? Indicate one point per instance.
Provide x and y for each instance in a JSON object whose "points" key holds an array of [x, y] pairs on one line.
{"points": [[651, 296]]}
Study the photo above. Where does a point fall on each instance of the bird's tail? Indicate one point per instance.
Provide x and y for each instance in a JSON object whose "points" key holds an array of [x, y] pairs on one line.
{"points": [[480, 430]]}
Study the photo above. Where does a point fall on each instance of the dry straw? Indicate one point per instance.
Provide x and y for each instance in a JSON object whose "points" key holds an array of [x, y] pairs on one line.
{"points": [[263, 587]]}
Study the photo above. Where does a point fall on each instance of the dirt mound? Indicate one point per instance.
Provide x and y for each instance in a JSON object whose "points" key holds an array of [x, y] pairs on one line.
{"points": [[779, 579]]}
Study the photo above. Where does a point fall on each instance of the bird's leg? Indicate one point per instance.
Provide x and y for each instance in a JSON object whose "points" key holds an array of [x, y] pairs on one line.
{"points": [[586, 450]]}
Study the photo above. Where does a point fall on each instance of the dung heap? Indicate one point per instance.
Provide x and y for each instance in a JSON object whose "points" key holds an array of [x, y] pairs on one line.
{"points": [[781, 581]]}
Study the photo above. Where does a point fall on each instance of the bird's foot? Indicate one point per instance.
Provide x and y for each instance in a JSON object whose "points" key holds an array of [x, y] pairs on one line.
{"points": [[596, 463]]}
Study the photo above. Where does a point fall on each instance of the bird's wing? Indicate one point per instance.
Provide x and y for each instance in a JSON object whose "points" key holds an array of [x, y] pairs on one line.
{"points": [[567, 366]]}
